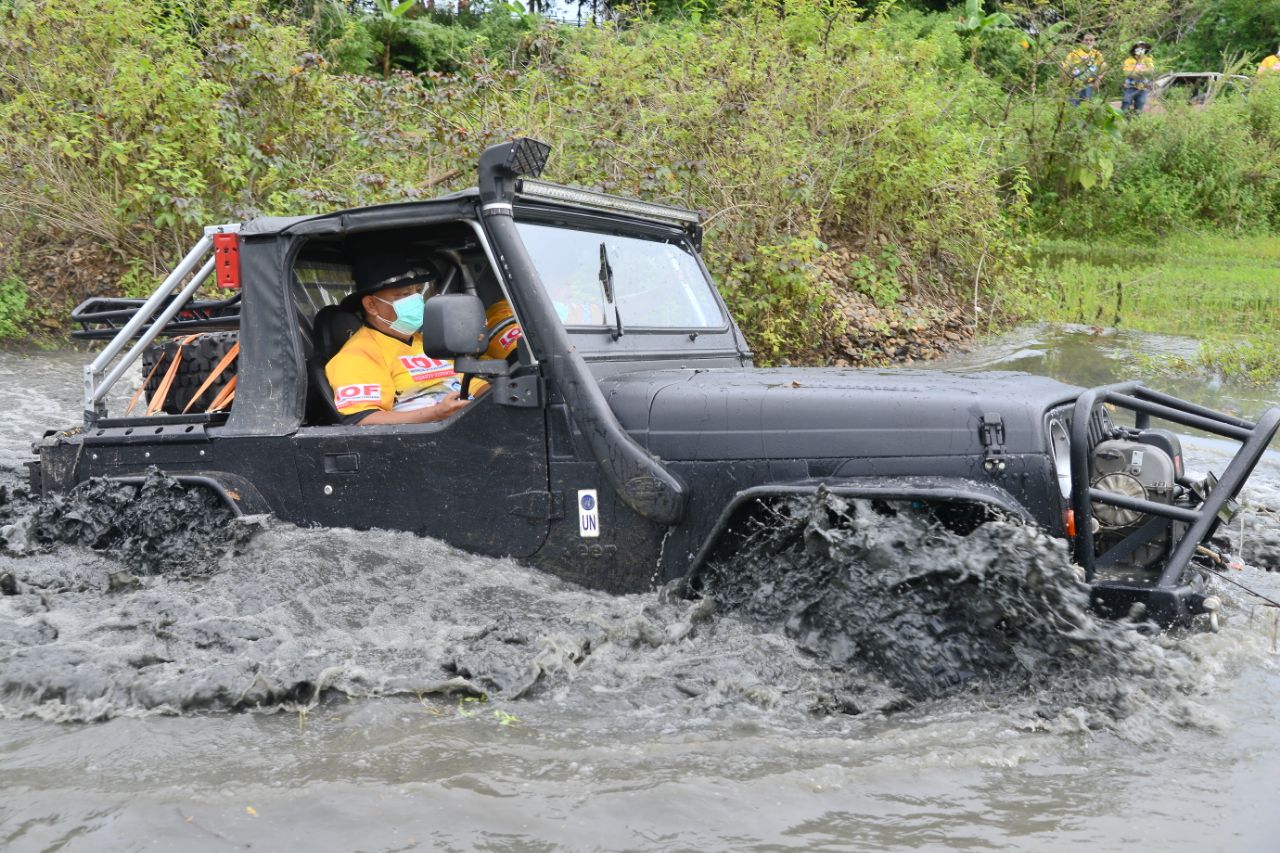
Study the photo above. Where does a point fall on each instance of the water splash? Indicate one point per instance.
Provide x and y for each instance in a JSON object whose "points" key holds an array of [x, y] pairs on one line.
{"points": [[155, 526], [835, 610], [890, 595]]}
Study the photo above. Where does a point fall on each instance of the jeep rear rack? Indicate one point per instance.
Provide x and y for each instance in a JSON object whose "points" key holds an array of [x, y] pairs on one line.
{"points": [[1165, 600], [156, 314], [102, 317]]}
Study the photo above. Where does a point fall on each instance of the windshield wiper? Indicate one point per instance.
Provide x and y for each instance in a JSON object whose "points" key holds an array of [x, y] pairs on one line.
{"points": [[606, 282]]}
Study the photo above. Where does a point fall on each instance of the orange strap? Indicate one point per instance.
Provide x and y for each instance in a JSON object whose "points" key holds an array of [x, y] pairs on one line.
{"points": [[133, 401], [214, 374], [225, 396], [157, 402]]}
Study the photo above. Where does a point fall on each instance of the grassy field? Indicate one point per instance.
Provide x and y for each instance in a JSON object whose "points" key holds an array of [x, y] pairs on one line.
{"points": [[1209, 287], [1222, 290]]}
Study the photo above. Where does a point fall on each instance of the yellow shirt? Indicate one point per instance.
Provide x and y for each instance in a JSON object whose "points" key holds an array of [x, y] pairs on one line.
{"points": [[1271, 63], [1139, 72], [1084, 66], [503, 330], [374, 371]]}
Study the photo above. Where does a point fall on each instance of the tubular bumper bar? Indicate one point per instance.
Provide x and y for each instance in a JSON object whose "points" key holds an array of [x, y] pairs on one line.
{"points": [[1202, 522]]}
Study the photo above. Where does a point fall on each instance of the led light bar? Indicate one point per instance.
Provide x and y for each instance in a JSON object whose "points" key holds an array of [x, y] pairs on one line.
{"points": [[544, 191]]}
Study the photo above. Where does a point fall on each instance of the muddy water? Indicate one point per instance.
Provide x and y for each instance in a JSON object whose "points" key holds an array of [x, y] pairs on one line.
{"points": [[375, 691]]}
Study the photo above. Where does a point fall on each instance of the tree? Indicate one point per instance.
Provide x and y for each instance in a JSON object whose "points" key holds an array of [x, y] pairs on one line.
{"points": [[974, 24], [389, 28], [1213, 28]]}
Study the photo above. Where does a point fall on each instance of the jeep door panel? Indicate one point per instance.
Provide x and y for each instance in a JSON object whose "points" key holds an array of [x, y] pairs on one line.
{"points": [[477, 481]]}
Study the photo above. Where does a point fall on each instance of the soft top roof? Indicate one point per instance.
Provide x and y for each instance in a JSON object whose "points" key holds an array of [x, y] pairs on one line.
{"points": [[343, 220]]}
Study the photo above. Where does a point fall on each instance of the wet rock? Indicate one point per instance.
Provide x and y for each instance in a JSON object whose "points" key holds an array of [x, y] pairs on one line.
{"points": [[117, 581]]}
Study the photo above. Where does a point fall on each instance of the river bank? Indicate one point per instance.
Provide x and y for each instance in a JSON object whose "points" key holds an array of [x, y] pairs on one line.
{"points": [[871, 189], [1221, 290]]}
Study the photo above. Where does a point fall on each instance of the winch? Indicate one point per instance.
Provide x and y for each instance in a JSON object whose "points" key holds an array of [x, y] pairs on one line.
{"points": [[1146, 466], [1135, 469]]}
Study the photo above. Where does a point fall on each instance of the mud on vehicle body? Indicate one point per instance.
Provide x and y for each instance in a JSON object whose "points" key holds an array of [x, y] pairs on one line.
{"points": [[630, 438]]}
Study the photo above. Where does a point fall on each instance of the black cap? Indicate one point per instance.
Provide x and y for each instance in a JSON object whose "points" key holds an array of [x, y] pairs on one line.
{"points": [[378, 269]]}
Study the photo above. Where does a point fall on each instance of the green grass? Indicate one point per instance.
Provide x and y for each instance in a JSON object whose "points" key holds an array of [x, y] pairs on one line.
{"points": [[14, 314], [1255, 360], [1223, 290]]}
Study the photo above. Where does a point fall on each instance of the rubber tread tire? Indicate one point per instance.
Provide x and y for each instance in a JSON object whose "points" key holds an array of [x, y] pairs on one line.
{"points": [[199, 358]]}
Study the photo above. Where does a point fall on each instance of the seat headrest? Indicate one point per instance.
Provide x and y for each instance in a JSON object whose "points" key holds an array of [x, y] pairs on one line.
{"points": [[331, 329]]}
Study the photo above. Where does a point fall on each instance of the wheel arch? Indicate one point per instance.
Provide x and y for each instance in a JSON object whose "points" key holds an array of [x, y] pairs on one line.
{"points": [[932, 489], [239, 495]]}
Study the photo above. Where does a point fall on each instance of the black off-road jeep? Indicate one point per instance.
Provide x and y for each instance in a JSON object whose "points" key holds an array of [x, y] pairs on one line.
{"points": [[629, 438]]}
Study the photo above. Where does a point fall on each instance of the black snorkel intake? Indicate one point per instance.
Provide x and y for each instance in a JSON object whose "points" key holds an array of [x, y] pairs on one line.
{"points": [[638, 478]]}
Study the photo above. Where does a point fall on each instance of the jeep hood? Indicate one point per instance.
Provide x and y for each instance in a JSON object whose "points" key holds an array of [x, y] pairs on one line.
{"points": [[788, 413]]}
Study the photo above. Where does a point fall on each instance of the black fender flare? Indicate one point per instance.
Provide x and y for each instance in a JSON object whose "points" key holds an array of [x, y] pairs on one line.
{"points": [[895, 488], [235, 491]]}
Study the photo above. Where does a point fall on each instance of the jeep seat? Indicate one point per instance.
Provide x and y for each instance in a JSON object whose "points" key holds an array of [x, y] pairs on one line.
{"points": [[330, 329]]}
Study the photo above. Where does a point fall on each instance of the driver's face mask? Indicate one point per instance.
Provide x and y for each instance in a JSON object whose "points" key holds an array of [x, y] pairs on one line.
{"points": [[1139, 51], [408, 313]]}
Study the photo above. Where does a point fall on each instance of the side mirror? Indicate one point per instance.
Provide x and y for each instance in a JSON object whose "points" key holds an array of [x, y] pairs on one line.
{"points": [[453, 325]]}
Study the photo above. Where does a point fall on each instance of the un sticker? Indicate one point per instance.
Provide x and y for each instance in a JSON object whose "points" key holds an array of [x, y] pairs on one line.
{"points": [[588, 513]]}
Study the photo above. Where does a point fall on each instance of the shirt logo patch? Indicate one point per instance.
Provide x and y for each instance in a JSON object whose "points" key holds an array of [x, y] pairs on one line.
{"points": [[424, 368], [353, 395], [509, 337]]}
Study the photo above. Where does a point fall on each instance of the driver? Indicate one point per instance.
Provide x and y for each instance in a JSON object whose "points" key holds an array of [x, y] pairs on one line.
{"points": [[381, 375]]}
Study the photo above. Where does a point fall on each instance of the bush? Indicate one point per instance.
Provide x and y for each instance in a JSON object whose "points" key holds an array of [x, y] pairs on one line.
{"points": [[789, 133], [378, 42], [13, 308], [1253, 361], [777, 292], [1220, 25], [1211, 167], [139, 121]]}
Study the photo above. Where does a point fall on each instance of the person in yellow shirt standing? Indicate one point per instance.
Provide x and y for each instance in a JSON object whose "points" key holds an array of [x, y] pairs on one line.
{"points": [[1083, 69], [1139, 77], [1270, 64]]}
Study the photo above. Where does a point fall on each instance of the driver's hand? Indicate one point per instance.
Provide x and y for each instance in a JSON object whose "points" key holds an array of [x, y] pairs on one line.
{"points": [[449, 404]]}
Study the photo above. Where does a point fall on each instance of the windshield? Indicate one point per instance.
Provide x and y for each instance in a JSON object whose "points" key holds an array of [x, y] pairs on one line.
{"points": [[655, 283]]}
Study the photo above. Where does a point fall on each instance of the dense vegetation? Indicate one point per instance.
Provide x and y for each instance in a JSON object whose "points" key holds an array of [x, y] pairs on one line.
{"points": [[864, 173]]}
